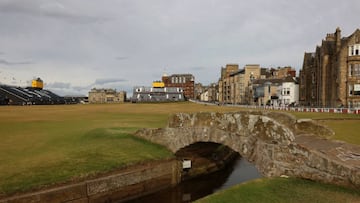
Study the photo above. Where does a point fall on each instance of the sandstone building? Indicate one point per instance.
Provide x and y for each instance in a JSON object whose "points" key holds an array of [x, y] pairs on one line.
{"points": [[282, 72], [234, 83], [210, 93], [330, 76], [102, 96]]}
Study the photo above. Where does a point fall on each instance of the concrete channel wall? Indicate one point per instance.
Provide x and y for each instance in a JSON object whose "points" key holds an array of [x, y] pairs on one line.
{"points": [[127, 184]]}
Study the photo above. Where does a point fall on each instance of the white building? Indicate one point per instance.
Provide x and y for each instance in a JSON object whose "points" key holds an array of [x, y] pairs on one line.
{"points": [[275, 92], [289, 92], [204, 96]]}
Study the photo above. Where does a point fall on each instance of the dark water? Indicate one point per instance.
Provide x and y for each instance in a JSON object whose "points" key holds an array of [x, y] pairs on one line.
{"points": [[191, 190]]}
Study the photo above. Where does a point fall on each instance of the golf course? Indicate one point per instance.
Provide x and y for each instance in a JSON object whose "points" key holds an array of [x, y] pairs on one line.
{"points": [[46, 146]]}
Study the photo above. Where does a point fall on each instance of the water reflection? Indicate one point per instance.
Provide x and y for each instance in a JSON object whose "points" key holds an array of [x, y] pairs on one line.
{"points": [[191, 190]]}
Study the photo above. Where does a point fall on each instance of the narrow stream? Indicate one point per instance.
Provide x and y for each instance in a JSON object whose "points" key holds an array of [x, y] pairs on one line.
{"points": [[191, 190]]}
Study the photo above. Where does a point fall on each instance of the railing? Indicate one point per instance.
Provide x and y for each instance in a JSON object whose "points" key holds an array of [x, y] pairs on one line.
{"points": [[295, 109], [13, 94]]}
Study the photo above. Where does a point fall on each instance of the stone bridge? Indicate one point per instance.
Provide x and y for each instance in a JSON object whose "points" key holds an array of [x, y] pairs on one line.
{"points": [[276, 143]]}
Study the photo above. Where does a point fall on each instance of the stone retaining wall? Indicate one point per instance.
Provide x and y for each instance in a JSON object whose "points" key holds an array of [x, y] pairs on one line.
{"points": [[127, 184]]}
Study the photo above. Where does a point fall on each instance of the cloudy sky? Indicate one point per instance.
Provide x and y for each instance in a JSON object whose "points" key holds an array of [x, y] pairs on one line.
{"points": [[75, 45]]}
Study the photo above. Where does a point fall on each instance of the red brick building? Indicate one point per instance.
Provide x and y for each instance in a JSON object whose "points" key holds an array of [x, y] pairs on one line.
{"points": [[184, 81]]}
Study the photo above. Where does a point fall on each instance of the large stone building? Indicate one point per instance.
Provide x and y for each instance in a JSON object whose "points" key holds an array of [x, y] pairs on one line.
{"points": [[184, 81], [225, 82], [234, 83], [102, 96], [330, 76]]}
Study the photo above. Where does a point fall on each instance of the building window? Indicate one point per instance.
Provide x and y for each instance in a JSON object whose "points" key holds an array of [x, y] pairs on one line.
{"points": [[313, 79], [354, 50], [356, 90], [357, 70], [286, 91], [354, 70]]}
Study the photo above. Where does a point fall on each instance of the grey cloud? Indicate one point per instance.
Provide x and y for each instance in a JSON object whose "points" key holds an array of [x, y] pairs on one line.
{"points": [[104, 81], [59, 85], [121, 58], [197, 68], [150, 38], [81, 88], [5, 62], [109, 82], [50, 9]]}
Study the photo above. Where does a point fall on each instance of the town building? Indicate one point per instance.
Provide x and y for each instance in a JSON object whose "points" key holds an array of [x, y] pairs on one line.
{"points": [[225, 82], [275, 91], [210, 93], [289, 94], [184, 81], [330, 76], [103, 96], [265, 92], [199, 89], [157, 93], [282, 72], [234, 83]]}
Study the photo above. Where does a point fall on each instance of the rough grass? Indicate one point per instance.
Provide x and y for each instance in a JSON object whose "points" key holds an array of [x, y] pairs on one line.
{"points": [[279, 190]]}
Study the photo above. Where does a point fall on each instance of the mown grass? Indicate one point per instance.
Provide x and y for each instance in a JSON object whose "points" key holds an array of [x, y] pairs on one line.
{"points": [[45, 145], [279, 190], [345, 126]]}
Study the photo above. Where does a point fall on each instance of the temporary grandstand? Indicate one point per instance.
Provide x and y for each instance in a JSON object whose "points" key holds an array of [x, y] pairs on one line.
{"points": [[34, 95], [11, 95]]}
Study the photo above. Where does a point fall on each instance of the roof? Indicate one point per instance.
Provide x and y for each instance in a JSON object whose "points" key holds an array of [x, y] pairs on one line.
{"points": [[182, 75], [242, 71], [275, 80]]}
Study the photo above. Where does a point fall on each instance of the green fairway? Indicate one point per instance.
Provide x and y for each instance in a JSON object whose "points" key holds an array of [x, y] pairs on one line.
{"points": [[47, 145], [284, 190], [43, 145], [345, 126]]}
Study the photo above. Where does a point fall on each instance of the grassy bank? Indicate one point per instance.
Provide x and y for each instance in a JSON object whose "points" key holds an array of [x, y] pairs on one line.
{"points": [[284, 190]]}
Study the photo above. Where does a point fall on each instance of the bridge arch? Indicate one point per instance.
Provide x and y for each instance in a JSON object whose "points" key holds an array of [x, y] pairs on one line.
{"points": [[243, 132], [276, 143]]}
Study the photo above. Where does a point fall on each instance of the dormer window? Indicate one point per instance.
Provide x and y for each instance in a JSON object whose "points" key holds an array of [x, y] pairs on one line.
{"points": [[354, 50]]}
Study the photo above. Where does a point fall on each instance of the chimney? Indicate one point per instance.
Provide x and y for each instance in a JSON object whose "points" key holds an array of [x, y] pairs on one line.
{"points": [[338, 39]]}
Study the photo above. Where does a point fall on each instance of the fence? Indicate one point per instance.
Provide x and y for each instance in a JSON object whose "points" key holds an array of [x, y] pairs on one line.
{"points": [[295, 109]]}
